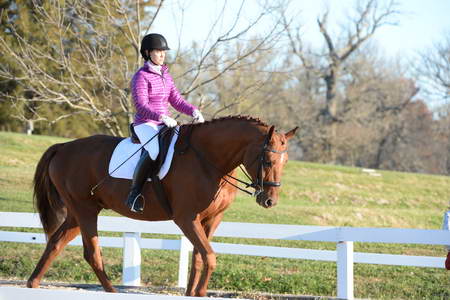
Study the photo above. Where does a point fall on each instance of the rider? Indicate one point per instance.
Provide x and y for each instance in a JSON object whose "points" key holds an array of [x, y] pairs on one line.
{"points": [[153, 89]]}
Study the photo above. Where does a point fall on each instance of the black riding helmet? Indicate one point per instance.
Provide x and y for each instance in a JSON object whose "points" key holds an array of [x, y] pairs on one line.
{"points": [[153, 41]]}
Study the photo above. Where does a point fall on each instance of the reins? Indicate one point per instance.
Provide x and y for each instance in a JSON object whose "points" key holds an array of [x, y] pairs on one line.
{"points": [[202, 158]]}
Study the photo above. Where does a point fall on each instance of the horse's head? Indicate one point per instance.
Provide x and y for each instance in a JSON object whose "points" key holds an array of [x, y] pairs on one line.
{"points": [[265, 162]]}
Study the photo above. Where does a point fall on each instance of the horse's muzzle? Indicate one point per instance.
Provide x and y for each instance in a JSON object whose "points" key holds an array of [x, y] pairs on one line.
{"points": [[268, 203], [265, 201]]}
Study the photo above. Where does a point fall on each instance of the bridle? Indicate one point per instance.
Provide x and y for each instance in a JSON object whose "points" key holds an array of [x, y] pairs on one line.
{"points": [[259, 184]]}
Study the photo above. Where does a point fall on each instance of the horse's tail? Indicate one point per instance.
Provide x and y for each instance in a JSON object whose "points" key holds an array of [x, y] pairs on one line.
{"points": [[47, 201]]}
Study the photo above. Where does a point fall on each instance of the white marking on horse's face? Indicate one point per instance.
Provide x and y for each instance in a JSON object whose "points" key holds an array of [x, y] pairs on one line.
{"points": [[282, 158]]}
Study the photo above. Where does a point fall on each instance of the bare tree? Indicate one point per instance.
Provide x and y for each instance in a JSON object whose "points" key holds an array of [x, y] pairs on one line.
{"points": [[369, 17], [91, 50], [434, 69], [221, 71], [328, 65]]}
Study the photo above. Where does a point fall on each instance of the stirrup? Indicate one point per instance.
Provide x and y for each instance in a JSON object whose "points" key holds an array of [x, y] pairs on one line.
{"points": [[137, 204]]}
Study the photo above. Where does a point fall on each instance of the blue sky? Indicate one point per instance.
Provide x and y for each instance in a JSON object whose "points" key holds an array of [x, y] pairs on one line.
{"points": [[422, 23]]}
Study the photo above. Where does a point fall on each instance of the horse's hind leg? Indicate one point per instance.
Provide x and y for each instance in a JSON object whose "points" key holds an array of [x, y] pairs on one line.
{"points": [[63, 235], [92, 252]]}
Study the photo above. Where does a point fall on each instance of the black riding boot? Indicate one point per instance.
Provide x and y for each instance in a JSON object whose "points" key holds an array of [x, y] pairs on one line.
{"points": [[135, 200]]}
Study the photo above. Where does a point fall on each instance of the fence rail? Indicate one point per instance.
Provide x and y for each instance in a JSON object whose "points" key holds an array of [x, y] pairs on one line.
{"points": [[46, 294], [132, 242]]}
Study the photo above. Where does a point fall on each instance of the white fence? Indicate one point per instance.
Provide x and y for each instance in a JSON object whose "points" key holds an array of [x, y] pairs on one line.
{"points": [[342, 236], [14, 293]]}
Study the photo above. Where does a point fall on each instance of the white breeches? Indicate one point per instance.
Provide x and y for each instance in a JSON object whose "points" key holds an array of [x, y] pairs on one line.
{"points": [[145, 132]]}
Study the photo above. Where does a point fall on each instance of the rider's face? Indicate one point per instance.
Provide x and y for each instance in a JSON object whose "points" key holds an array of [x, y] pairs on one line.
{"points": [[158, 56]]}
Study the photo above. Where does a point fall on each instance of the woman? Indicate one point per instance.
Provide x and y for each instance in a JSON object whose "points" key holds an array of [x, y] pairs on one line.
{"points": [[153, 89]]}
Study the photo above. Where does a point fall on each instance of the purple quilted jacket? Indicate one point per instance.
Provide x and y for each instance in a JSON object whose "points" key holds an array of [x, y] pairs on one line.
{"points": [[152, 94]]}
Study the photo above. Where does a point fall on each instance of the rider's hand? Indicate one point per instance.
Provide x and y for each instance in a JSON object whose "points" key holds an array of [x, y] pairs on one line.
{"points": [[198, 117], [170, 122]]}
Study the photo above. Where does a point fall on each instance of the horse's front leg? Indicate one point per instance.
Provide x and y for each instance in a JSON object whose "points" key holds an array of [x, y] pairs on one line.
{"points": [[210, 225], [196, 271], [194, 231]]}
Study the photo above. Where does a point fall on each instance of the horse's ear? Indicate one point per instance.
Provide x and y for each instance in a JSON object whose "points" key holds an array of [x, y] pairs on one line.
{"points": [[271, 131], [290, 133]]}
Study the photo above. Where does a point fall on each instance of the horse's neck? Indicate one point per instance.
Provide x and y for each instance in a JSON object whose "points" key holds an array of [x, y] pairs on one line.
{"points": [[225, 144]]}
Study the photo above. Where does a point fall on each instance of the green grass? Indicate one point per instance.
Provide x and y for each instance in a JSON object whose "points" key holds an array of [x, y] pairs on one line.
{"points": [[312, 194]]}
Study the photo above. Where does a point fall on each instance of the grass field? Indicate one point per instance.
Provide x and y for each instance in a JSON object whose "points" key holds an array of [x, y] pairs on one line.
{"points": [[312, 194]]}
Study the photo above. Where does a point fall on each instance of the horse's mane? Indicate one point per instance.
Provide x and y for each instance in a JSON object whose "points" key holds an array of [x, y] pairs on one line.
{"points": [[230, 118]]}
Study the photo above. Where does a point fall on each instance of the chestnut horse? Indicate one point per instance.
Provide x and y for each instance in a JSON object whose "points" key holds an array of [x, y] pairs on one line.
{"points": [[197, 189]]}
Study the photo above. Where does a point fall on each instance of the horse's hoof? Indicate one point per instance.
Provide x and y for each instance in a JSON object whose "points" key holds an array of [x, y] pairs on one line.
{"points": [[111, 290], [32, 284], [201, 293]]}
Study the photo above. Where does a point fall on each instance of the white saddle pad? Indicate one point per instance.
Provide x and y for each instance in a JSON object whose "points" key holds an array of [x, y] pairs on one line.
{"points": [[125, 149]]}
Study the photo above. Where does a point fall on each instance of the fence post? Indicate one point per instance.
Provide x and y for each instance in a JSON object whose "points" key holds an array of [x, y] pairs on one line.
{"points": [[131, 269], [345, 270], [185, 247], [446, 226]]}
